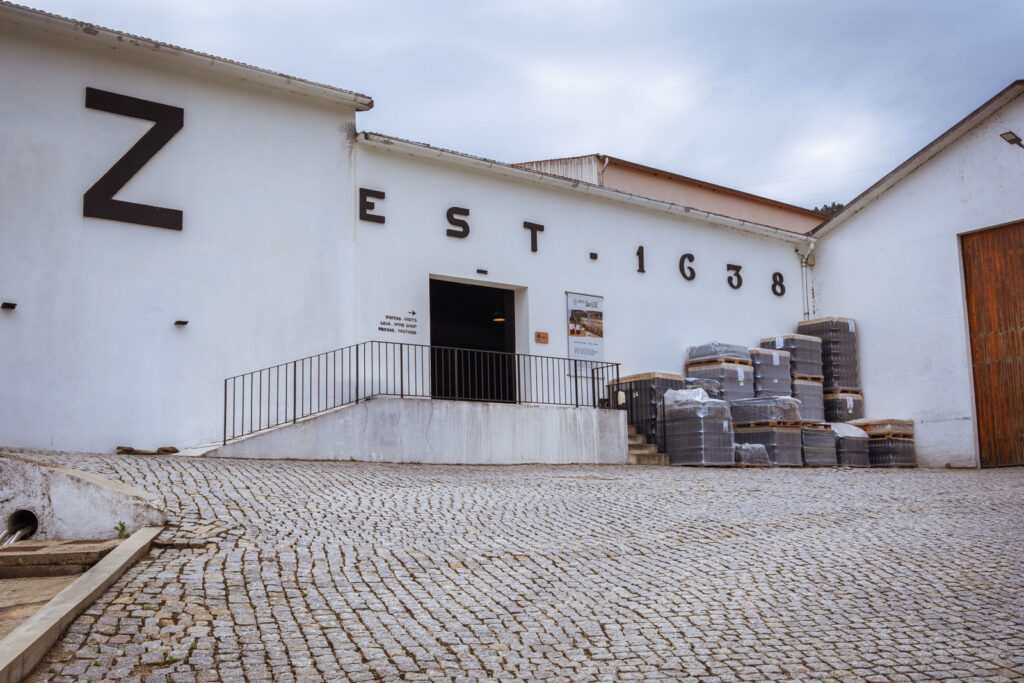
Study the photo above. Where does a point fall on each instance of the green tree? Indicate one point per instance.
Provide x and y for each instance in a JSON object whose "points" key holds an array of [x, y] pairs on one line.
{"points": [[830, 209]]}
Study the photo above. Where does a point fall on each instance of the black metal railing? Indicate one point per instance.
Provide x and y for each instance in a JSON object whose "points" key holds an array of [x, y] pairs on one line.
{"points": [[263, 399]]}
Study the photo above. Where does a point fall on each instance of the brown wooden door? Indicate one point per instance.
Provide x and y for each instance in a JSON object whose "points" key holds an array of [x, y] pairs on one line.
{"points": [[994, 280]]}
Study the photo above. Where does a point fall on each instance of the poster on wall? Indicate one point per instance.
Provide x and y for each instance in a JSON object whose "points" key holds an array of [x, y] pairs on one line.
{"points": [[586, 326]]}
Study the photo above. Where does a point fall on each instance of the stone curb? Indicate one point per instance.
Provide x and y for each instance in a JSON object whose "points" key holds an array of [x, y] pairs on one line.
{"points": [[26, 645]]}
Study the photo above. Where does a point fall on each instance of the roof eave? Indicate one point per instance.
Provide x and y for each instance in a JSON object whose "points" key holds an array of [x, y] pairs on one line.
{"points": [[422, 150], [45, 21]]}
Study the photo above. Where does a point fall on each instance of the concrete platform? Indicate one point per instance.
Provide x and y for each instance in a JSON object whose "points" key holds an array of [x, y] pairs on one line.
{"points": [[29, 559]]}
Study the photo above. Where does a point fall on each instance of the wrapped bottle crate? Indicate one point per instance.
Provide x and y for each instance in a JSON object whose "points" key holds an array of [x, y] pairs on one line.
{"points": [[851, 445], [697, 430], [811, 395], [804, 353], [784, 444], [766, 409], [819, 446], [717, 351], [752, 455], [839, 352], [892, 452], [771, 372], [736, 380], [843, 407]]}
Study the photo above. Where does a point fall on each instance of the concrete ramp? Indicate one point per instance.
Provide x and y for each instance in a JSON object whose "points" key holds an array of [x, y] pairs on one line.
{"points": [[445, 432]]}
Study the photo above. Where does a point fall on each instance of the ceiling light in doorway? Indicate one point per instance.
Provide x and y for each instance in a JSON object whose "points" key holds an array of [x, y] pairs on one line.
{"points": [[498, 316], [1011, 138]]}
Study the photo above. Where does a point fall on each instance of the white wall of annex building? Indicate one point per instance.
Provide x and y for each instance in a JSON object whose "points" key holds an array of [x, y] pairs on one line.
{"points": [[262, 269], [896, 268], [649, 319]]}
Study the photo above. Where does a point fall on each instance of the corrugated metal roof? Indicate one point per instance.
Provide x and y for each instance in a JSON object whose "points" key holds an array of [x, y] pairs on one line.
{"points": [[358, 100]]}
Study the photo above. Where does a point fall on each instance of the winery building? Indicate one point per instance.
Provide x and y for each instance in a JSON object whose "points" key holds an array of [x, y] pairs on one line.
{"points": [[194, 251]]}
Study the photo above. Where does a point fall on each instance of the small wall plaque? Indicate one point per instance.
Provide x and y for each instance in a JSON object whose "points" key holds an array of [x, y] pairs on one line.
{"points": [[540, 337]]}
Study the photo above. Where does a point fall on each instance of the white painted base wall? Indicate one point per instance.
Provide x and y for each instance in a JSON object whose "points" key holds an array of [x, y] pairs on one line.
{"points": [[446, 432], [73, 505]]}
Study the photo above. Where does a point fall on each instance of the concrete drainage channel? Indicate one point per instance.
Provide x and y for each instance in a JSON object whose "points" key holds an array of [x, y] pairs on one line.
{"points": [[28, 643]]}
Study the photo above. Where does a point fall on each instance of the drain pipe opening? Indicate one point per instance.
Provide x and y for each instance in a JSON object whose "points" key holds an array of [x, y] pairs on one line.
{"points": [[21, 524]]}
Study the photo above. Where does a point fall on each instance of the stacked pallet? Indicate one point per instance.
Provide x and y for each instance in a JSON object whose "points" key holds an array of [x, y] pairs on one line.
{"points": [[729, 364], [838, 352], [783, 443], [697, 430], [819, 445], [752, 455], [851, 445], [890, 442], [771, 372], [843, 407], [811, 395]]}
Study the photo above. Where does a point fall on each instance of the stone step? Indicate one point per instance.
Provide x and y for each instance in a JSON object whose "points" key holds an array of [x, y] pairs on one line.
{"points": [[632, 430], [643, 449], [648, 459], [636, 440]]}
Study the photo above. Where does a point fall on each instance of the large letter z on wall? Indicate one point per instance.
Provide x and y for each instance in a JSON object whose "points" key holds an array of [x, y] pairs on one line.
{"points": [[99, 200]]}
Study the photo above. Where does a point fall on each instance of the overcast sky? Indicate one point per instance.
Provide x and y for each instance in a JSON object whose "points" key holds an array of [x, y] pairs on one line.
{"points": [[806, 101]]}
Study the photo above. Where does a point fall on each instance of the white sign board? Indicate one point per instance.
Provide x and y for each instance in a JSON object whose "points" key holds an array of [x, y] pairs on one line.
{"points": [[586, 326]]}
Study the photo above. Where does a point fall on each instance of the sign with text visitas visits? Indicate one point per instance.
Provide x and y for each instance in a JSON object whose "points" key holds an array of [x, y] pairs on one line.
{"points": [[586, 326]]}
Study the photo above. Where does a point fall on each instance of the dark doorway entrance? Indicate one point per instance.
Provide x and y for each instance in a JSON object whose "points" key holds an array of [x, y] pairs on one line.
{"points": [[472, 330]]}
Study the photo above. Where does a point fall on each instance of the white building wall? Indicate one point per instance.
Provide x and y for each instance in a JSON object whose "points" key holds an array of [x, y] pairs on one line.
{"points": [[649, 319], [896, 268], [263, 269]]}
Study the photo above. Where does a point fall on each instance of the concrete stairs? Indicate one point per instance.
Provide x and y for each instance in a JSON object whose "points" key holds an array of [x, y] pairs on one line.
{"points": [[643, 453]]}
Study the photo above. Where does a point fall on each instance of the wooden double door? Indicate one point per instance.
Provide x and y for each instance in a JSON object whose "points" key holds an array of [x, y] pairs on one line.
{"points": [[994, 281]]}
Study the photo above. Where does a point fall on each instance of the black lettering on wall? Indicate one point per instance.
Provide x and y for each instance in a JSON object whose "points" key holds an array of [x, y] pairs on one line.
{"points": [[778, 284], [98, 201], [640, 260], [735, 280], [453, 219], [534, 228], [687, 272], [366, 206]]}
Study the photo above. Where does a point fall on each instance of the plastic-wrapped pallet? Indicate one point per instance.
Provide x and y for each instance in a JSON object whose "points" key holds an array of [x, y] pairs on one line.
{"points": [[710, 386], [771, 372], [643, 396], [717, 351], [697, 429], [843, 407], [747, 411], [838, 350], [819, 446], [737, 381], [892, 452], [886, 427], [752, 455], [804, 352], [851, 445], [812, 399], [784, 444]]}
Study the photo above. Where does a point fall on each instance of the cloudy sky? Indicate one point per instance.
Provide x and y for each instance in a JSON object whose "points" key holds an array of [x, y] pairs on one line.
{"points": [[806, 101]]}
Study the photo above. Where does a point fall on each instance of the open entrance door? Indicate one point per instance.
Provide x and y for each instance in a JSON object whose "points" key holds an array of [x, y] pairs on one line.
{"points": [[472, 332]]}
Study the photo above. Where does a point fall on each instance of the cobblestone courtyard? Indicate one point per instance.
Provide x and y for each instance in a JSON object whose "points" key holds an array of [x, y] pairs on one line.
{"points": [[350, 571]]}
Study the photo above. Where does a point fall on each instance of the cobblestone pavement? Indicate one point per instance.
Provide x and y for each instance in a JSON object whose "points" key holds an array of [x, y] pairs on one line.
{"points": [[352, 571]]}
